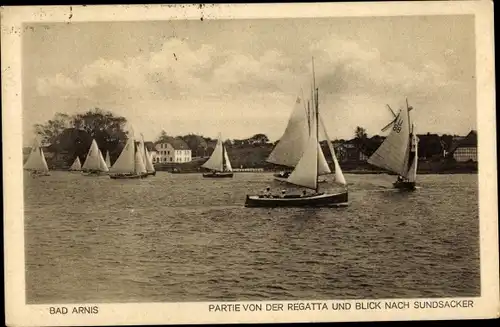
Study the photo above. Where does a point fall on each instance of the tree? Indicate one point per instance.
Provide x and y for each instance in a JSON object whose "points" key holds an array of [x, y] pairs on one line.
{"points": [[360, 133], [259, 139], [163, 137], [53, 128], [73, 134]]}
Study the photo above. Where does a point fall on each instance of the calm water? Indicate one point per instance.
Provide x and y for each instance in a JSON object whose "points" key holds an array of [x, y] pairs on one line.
{"points": [[185, 238]]}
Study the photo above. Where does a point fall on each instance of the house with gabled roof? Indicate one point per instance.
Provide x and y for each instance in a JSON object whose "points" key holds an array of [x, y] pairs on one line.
{"points": [[172, 150], [466, 148]]}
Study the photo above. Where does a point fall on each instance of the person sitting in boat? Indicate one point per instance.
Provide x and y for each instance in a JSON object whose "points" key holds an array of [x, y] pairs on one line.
{"points": [[283, 193], [400, 179], [304, 193]]}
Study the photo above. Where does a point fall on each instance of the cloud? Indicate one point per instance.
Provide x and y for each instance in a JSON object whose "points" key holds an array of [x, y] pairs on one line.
{"points": [[185, 88]]}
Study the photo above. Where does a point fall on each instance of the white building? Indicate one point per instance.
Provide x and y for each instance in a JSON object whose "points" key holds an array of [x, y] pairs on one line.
{"points": [[175, 150]]}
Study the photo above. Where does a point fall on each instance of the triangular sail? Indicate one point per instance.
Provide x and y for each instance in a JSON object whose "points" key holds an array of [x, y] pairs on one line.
{"points": [[108, 159], [94, 159], [76, 165], [215, 162], [125, 164], [102, 163], [140, 168], [393, 152], [306, 172], [36, 160], [149, 162], [339, 176], [412, 171], [291, 145], [226, 161]]}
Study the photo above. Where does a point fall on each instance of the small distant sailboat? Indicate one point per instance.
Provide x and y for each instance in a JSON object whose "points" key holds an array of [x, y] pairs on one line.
{"points": [[94, 164], [148, 160], [76, 166], [108, 159], [306, 172], [292, 144], [399, 151], [219, 163], [130, 164], [36, 163]]}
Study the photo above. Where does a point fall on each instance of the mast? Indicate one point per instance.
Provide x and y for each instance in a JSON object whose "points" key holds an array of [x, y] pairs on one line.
{"points": [[317, 120], [223, 157]]}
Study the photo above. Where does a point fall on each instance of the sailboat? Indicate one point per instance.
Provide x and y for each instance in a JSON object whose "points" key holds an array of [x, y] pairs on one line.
{"points": [[306, 172], [94, 162], [36, 162], [76, 166], [148, 161], [108, 159], [219, 163], [399, 151], [130, 164], [291, 145]]}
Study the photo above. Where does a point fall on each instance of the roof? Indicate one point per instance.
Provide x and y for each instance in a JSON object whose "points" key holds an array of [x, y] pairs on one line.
{"points": [[469, 141], [176, 143]]}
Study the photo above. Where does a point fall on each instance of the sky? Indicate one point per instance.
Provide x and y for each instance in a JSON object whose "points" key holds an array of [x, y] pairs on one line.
{"points": [[242, 77]]}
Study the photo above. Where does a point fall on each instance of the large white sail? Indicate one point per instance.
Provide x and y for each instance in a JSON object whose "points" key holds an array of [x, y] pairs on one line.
{"points": [[412, 172], [149, 162], [215, 161], [36, 160], [102, 163], [291, 145], [108, 159], [94, 159], [125, 164], [76, 165], [306, 171], [227, 162], [140, 168], [393, 152], [339, 176]]}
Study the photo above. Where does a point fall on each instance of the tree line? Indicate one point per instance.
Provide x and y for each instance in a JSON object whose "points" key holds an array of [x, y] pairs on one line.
{"points": [[73, 134]]}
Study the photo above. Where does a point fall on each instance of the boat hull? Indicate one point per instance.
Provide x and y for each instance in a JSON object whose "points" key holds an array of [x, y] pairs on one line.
{"points": [[127, 176], [94, 173], [219, 175], [317, 200], [152, 173], [407, 186], [284, 180], [39, 173]]}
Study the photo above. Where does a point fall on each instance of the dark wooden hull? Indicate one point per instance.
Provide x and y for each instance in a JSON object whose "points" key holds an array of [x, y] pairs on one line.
{"points": [[127, 176], [282, 175], [284, 180], [94, 173], [317, 200], [407, 186], [219, 175]]}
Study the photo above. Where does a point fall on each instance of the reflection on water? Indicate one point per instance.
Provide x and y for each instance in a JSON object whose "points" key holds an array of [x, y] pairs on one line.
{"points": [[185, 238]]}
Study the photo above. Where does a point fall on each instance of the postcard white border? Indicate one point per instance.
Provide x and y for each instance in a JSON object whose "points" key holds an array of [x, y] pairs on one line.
{"points": [[18, 313]]}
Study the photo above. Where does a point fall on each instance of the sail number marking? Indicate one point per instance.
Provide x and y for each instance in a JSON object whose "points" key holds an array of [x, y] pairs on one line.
{"points": [[397, 125]]}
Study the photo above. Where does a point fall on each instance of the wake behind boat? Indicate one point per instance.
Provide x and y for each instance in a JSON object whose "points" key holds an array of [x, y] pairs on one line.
{"points": [[307, 169], [399, 151], [219, 163]]}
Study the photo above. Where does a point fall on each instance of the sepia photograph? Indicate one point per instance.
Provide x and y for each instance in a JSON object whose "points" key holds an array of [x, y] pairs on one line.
{"points": [[278, 162]]}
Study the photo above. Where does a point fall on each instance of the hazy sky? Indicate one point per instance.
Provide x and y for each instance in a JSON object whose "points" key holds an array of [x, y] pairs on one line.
{"points": [[241, 77]]}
